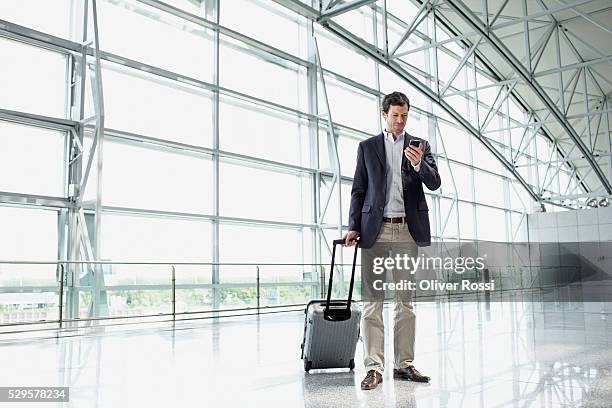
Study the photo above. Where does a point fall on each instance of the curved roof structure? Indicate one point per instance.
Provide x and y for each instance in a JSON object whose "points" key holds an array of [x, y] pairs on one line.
{"points": [[539, 55]]}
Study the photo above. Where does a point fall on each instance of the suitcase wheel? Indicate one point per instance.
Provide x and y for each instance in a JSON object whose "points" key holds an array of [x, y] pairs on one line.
{"points": [[307, 365], [352, 364]]}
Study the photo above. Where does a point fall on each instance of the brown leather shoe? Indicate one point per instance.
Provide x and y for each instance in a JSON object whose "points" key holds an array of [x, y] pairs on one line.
{"points": [[371, 381], [410, 373]]}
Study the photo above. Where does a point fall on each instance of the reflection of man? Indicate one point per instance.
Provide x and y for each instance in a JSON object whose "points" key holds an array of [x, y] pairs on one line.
{"points": [[389, 214]]}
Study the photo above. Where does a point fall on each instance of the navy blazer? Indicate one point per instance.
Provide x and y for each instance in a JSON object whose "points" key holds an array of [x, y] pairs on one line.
{"points": [[368, 195]]}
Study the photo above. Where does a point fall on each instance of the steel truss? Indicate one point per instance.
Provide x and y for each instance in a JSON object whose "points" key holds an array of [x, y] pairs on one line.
{"points": [[573, 113]]}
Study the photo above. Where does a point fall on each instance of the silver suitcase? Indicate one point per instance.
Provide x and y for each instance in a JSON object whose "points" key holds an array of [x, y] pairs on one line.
{"points": [[331, 328]]}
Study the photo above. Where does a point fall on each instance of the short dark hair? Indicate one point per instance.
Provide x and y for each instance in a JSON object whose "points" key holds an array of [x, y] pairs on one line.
{"points": [[395, 99]]}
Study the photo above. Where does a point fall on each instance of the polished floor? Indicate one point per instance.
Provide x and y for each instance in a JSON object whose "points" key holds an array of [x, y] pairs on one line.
{"points": [[478, 355]]}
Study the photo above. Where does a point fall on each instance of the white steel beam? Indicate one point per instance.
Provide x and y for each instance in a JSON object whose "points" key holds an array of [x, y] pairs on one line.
{"points": [[343, 8]]}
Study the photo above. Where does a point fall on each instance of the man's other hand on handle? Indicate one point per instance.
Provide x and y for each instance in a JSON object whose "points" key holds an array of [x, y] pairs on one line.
{"points": [[350, 238]]}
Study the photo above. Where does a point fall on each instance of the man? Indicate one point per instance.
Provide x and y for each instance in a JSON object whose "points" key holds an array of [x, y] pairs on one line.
{"points": [[389, 215]]}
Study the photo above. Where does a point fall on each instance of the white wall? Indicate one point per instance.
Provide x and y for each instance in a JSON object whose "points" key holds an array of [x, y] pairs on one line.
{"points": [[589, 225], [562, 252]]}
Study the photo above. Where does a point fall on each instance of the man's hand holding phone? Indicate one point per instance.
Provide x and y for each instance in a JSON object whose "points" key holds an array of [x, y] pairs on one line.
{"points": [[414, 152]]}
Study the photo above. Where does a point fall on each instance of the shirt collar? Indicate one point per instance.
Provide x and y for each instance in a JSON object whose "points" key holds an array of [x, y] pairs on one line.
{"points": [[389, 136]]}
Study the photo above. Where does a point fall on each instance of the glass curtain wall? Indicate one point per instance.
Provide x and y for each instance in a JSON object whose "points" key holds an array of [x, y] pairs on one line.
{"points": [[217, 149]]}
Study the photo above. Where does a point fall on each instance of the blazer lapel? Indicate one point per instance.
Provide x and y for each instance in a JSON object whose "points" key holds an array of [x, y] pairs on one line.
{"points": [[380, 150], [404, 158]]}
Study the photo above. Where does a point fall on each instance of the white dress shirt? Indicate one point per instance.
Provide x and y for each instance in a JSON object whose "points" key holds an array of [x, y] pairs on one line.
{"points": [[394, 149]]}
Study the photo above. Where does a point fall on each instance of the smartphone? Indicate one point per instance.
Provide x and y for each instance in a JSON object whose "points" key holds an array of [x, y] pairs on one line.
{"points": [[415, 143]]}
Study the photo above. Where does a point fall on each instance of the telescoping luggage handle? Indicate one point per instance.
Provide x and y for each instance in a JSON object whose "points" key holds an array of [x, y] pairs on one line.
{"points": [[341, 313]]}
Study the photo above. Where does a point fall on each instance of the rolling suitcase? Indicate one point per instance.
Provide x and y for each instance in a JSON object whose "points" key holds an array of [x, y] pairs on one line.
{"points": [[331, 328]]}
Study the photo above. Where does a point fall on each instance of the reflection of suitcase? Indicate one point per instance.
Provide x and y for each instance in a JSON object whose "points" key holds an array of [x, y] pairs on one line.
{"points": [[331, 328]]}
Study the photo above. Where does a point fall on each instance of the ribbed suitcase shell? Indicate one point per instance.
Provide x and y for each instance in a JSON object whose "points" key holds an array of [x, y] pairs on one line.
{"points": [[329, 344], [331, 328]]}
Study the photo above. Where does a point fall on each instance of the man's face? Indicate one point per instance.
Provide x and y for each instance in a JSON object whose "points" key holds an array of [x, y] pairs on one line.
{"points": [[396, 118]]}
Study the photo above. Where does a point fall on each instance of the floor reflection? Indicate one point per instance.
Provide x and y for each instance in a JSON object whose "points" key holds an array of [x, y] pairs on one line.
{"points": [[496, 355]]}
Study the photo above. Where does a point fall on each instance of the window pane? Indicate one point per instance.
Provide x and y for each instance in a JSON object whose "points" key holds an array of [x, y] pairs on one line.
{"points": [[157, 108], [28, 235], [31, 160], [458, 102], [49, 16], [448, 215], [489, 189], [133, 238], [446, 66], [467, 225], [484, 159], [26, 86], [491, 224], [155, 178], [244, 72], [463, 180], [456, 142], [254, 131], [258, 244], [155, 239], [262, 15], [342, 60], [520, 199], [347, 151], [447, 187], [350, 107], [331, 215], [252, 192], [145, 34], [519, 227], [390, 82], [358, 22]]}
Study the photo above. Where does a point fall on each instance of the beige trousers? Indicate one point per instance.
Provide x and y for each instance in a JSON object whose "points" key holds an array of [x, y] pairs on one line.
{"points": [[393, 240]]}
